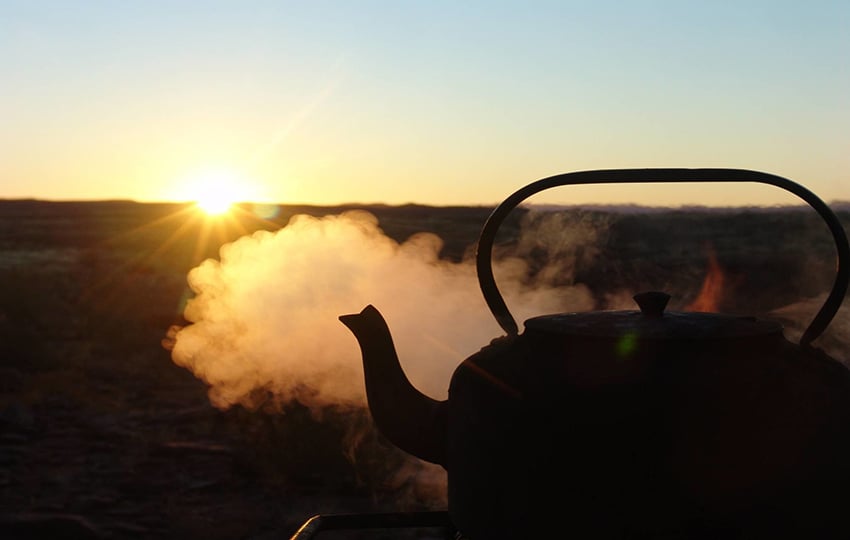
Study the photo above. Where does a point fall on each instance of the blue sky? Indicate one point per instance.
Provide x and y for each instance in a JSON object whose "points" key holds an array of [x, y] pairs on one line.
{"points": [[429, 102]]}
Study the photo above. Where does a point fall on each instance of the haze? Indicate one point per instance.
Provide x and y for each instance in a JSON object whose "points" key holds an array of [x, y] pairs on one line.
{"points": [[430, 102]]}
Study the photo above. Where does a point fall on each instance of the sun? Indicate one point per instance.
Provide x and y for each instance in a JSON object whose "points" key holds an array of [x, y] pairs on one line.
{"points": [[216, 202], [215, 192]]}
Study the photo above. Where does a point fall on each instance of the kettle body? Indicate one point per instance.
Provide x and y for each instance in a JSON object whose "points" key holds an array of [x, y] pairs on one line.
{"points": [[690, 437]]}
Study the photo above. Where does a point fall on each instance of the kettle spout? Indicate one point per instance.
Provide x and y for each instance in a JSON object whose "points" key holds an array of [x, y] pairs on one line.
{"points": [[408, 418]]}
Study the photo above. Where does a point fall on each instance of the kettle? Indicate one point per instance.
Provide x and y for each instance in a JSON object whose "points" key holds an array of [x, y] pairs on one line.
{"points": [[643, 423]]}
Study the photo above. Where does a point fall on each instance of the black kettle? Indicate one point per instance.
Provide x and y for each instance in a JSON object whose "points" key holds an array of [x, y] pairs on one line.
{"points": [[643, 423]]}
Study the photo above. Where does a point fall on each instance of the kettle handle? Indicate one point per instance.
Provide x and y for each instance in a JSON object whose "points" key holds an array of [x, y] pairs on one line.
{"points": [[632, 176]]}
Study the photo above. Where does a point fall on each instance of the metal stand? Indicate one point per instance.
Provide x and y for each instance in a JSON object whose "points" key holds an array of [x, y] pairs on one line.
{"points": [[391, 520]]}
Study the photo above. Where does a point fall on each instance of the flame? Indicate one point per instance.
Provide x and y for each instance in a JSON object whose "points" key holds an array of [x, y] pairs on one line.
{"points": [[712, 289]]}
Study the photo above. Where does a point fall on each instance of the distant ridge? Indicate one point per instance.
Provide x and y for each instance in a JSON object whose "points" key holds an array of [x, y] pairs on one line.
{"points": [[33, 200], [838, 206]]}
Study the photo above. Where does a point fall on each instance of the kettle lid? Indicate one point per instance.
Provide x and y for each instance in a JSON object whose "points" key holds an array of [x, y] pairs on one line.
{"points": [[653, 322]]}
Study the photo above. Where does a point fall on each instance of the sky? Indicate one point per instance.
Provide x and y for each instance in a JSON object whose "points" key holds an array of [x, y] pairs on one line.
{"points": [[442, 103]]}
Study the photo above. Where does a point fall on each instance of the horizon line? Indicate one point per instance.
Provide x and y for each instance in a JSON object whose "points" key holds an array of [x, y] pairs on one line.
{"points": [[839, 203]]}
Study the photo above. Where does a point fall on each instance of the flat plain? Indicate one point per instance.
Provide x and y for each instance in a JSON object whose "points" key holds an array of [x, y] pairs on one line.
{"points": [[103, 436]]}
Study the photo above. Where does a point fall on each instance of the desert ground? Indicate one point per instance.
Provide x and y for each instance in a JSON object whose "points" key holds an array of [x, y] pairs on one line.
{"points": [[102, 435]]}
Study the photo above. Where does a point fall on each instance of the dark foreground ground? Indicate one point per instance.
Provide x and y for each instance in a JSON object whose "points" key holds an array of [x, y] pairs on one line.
{"points": [[102, 436]]}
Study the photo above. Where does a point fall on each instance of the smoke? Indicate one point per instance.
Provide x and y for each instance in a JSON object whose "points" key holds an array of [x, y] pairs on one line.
{"points": [[264, 318]]}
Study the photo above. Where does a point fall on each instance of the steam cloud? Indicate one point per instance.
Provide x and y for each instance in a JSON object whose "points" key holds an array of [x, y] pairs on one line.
{"points": [[835, 341], [265, 316], [264, 319]]}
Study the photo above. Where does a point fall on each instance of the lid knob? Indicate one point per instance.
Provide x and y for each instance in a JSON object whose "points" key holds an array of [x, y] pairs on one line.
{"points": [[652, 303]]}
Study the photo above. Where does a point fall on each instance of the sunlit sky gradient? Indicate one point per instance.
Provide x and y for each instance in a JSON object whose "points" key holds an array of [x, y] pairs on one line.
{"points": [[430, 102]]}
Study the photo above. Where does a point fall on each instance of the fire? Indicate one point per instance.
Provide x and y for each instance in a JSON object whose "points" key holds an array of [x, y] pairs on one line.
{"points": [[711, 292]]}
